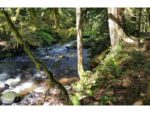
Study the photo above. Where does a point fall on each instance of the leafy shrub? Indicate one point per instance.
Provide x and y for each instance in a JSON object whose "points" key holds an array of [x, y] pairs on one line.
{"points": [[47, 38], [75, 100], [110, 66], [106, 99]]}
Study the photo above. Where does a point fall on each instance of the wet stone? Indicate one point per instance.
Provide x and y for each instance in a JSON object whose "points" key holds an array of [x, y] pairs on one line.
{"points": [[68, 88], [10, 97], [3, 87], [35, 98], [12, 82]]}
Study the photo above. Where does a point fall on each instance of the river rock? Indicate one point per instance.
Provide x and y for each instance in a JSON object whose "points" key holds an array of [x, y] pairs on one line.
{"points": [[34, 98], [55, 91], [37, 80], [24, 87], [68, 88], [12, 82], [40, 90], [40, 74], [10, 97], [3, 88]]}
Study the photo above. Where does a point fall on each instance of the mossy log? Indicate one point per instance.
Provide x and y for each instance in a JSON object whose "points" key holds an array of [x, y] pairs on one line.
{"points": [[39, 64]]}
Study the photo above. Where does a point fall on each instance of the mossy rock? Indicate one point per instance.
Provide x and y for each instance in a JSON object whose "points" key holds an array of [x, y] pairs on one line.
{"points": [[10, 97]]}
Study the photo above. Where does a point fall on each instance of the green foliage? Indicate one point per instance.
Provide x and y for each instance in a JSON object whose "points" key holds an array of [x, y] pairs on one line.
{"points": [[66, 34], [106, 99], [100, 43], [136, 20], [94, 21], [47, 38], [110, 66], [84, 87], [75, 100], [39, 26], [109, 69]]}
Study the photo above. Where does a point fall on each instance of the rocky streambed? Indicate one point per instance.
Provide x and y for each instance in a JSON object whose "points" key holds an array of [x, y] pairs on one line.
{"points": [[22, 84]]}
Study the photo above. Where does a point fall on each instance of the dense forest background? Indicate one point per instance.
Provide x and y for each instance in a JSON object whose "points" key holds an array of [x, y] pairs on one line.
{"points": [[82, 56]]}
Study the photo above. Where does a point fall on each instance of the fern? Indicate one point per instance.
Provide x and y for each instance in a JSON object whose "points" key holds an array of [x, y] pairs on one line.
{"points": [[47, 38]]}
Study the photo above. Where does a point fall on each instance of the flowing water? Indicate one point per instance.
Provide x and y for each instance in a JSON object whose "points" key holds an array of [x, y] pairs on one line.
{"points": [[60, 59]]}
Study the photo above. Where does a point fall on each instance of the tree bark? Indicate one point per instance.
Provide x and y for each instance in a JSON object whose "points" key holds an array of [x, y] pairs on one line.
{"points": [[56, 17], [79, 43], [139, 22], [116, 31], [39, 64]]}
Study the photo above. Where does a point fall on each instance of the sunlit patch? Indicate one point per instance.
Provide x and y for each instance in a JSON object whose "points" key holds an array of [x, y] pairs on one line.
{"points": [[2, 43], [13, 82], [40, 89], [129, 40], [68, 80], [24, 86], [40, 74]]}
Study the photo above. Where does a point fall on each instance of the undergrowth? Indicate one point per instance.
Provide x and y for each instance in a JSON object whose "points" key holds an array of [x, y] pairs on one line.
{"points": [[114, 66]]}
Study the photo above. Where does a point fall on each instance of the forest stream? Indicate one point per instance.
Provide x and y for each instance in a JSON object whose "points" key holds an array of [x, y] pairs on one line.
{"points": [[19, 74]]}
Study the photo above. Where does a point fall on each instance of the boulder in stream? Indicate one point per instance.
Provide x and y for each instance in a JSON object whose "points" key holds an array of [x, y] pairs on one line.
{"points": [[10, 97], [12, 82]]}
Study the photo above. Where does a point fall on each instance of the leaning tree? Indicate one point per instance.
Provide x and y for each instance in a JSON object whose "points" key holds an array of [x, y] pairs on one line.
{"points": [[53, 83]]}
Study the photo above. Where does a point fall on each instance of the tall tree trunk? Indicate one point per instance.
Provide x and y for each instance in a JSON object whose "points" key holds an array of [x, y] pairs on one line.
{"points": [[116, 31], [146, 23], [39, 64], [148, 12], [79, 43], [139, 22], [56, 17]]}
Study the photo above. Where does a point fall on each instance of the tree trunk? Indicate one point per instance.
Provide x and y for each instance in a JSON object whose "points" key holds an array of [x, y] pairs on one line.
{"points": [[148, 12], [39, 64], [79, 43], [146, 23], [116, 31], [139, 22], [56, 18]]}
